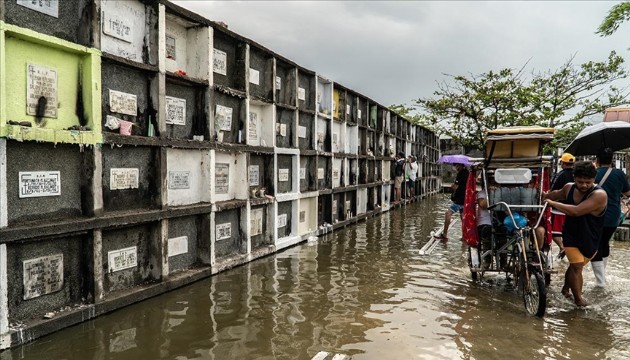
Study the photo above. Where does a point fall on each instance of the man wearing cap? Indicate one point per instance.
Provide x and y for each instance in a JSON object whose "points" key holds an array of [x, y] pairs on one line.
{"points": [[562, 178]]}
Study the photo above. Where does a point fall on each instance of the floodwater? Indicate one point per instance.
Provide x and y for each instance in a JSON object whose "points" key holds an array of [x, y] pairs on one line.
{"points": [[363, 291]]}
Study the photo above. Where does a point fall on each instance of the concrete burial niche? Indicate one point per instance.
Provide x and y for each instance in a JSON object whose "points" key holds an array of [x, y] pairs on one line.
{"points": [[362, 111], [187, 47], [230, 176], [324, 209], [351, 107], [324, 172], [285, 83], [307, 216], [43, 182], [362, 200], [353, 170], [261, 234], [371, 143], [261, 81], [363, 141], [229, 118], [306, 90], [373, 122], [345, 172], [285, 221], [363, 169], [380, 144], [130, 178], [386, 196], [374, 198], [130, 257], [260, 175], [392, 124], [261, 124], [351, 204], [285, 169], [188, 176], [67, 20], [390, 143], [372, 176], [228, 60], [56, 94], [338, 137], [182, 250], [324, 97], [338, 207], [386, 169], [386, 121], [323, 138], [229, 233], [285, 127], [308, 173], [305, 130], [337, 172], [46, 275], [125, 96], [129, 30], [339, 103], [352, 143], [185, 111]]}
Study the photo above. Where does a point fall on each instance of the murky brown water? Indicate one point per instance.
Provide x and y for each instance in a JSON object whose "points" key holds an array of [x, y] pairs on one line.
{"points": [[363, 291]]}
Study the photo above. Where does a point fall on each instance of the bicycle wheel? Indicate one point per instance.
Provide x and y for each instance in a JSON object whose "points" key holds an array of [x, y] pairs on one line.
{"points": [[534, 291]]}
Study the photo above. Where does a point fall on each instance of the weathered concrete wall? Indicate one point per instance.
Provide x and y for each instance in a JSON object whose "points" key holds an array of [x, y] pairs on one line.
{"points": [[230, 242], [263, 164], [125, 32], [261, 125], [75, 284], [68, 20], [194, 102], [262, 233], [285, 211], [123, 79], [260, 74], [187, 177], [285, 127], [324, 209], [135, 162], [122, 272], [183, 238], [58, 202], [306, 129], [308, 173], [285, 93], [306, 91], [235, 61], [285, 173], [324, 172], [234, 186], [229, 131], [307, 215]]}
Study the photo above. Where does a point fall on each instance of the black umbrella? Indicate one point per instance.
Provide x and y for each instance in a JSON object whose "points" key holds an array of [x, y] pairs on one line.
{"points": [[613, 134]]}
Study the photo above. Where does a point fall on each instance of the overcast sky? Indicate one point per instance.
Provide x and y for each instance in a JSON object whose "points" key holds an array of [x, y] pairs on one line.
{"points": [[396, 51]]}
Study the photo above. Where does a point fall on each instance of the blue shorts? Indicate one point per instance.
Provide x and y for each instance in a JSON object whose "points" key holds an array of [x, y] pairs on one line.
{"points": [[456, 208]]}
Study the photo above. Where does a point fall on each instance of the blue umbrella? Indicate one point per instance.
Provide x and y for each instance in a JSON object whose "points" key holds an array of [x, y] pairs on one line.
{"points": [[455, 159]]}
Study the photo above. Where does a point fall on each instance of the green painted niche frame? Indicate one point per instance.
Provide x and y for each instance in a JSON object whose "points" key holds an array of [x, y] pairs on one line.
{"points": [[27, 46]]}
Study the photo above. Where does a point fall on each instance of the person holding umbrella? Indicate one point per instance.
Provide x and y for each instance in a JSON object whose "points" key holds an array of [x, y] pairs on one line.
{"points": [[615, 183], [457, 197]]}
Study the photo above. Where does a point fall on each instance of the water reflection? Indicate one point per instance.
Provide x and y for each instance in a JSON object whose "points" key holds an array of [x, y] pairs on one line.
{"points": [[363, 291]]}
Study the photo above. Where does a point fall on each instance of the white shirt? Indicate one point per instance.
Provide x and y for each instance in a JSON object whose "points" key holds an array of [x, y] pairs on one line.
{"points": [[412, 171], [483, 215]]}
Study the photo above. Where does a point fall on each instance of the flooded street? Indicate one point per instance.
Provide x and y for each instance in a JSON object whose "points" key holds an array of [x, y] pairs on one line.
{"points": [[365, 292]]}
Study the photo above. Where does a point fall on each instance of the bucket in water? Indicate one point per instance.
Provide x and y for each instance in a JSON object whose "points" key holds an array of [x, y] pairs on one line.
{"points": [[125, 127]]}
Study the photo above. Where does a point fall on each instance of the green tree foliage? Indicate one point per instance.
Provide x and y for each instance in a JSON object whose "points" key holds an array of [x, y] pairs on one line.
{"points": [[618, 14], [465, 107]]}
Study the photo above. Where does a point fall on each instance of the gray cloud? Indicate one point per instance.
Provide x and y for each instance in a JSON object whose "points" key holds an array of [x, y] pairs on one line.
{"points": [[395, 51]]}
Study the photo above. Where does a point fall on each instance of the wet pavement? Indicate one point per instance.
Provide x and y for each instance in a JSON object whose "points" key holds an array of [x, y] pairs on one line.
{"points": [[365, 292]]}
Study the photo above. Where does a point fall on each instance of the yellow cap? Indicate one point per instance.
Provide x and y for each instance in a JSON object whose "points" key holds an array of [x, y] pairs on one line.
{"points": [[567, 158]]}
